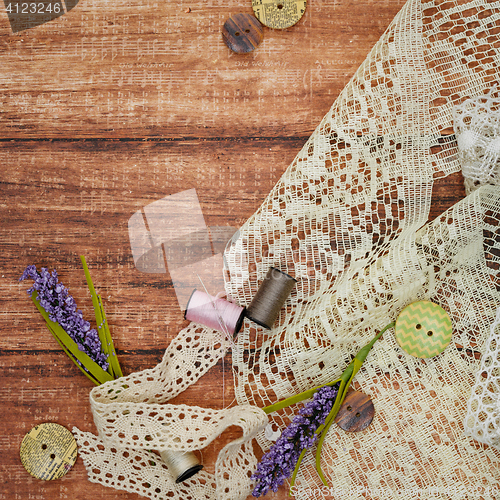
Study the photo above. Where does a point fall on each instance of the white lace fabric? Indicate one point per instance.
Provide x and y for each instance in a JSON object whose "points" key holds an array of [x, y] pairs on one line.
{"points": [[483, 411], [477, 128], [133, 418], [348, 221]]}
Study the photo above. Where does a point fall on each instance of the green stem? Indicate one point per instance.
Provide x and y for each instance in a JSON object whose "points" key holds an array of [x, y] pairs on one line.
{"points": [[356, 364], [296, 470], [95, 303], [363, 352], [108, 347], [344, 384]]}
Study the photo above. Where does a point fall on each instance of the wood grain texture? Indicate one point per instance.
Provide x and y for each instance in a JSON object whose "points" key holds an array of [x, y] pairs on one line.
{"points": [[356, 412], [116, 105], [242, 32], [145, 68]]}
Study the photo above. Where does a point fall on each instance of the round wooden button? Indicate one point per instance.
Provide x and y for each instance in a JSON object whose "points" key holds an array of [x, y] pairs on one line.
{"points": [[48, 451], [279, 14], [356, 412], [423, 329], [242, 33]]}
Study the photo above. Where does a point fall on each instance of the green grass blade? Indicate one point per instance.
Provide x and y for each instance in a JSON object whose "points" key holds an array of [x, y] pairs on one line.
{"points": [[97, 310], [112, 359]]}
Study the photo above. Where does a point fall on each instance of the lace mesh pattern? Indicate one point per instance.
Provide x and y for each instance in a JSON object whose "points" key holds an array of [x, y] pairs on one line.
{"points": [[483, 411], [477, 127]]}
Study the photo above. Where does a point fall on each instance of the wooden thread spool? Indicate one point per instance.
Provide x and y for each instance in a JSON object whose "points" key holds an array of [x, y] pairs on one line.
{"points": [[270, 297], [181, 464]]}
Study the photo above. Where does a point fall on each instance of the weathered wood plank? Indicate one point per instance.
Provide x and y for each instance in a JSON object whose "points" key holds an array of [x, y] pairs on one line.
{"points": [[63, 199], [149, 69]]}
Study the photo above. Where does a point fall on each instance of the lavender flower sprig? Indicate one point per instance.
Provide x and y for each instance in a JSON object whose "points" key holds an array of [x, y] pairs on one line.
{"points": [[92, 351], [302, 433], [280, 461], [54, 297]]}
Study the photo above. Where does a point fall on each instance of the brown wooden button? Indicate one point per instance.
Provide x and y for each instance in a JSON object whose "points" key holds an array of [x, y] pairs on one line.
{"points": [[242, 33], [356, 412], [279, 14]]}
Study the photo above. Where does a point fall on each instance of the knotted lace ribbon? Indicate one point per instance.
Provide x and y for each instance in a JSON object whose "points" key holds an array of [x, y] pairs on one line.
{"points": [[132, 418]]}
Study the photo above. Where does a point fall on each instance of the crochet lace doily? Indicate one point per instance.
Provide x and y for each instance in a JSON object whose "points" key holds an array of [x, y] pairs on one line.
{"points": [[347, 220], [477, 128]]}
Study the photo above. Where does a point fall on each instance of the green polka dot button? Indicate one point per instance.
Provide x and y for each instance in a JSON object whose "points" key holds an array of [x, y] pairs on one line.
{"points": [[423, 329]]}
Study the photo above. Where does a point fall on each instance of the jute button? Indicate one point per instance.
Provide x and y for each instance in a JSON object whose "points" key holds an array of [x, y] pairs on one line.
{"points": [[356, 412], [242, 33], [423, 329], [279, 14]]}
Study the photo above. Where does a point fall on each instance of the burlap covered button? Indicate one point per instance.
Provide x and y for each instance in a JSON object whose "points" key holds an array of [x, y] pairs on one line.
{"points": [[356, 412], [423, 329], [242, 33]]}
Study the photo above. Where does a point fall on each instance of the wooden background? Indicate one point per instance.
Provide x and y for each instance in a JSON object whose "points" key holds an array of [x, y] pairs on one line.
{"points": [[109, 108]]}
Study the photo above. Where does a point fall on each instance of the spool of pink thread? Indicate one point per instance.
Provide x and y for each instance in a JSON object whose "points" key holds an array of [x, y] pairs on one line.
{"points": [[214, 312]]}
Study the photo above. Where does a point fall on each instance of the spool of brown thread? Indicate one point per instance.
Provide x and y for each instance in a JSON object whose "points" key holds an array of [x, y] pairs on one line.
{"points": [[270, 297]]}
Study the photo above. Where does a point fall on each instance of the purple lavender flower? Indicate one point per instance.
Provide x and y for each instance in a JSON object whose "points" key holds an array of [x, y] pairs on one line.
{"points": [[61, 308], [279, 462]]}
